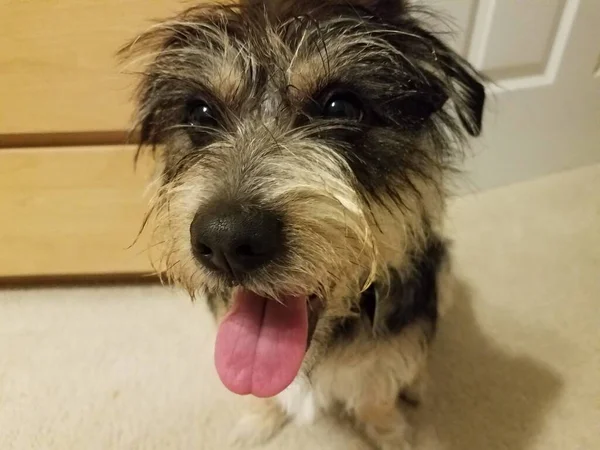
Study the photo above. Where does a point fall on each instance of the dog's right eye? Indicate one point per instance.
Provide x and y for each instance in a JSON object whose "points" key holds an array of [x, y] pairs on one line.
{"points": [[200, 114], [343, 106]]}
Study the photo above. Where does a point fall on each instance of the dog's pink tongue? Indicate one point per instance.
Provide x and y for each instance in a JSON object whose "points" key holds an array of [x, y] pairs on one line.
{"points": [[261, 343]]}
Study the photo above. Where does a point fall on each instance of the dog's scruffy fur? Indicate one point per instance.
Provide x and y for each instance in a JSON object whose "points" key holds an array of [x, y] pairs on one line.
{"points": [[360, 193]]}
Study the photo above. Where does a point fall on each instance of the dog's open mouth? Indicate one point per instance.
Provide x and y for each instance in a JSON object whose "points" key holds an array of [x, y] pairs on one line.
{"points": [[261, 342]]}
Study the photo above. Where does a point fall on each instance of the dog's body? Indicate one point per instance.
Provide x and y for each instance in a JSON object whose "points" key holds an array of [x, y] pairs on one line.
{"points": [[305, 148]]}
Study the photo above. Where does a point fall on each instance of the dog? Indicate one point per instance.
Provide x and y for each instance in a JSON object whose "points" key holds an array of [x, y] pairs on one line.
{"points": [[304, 151]]}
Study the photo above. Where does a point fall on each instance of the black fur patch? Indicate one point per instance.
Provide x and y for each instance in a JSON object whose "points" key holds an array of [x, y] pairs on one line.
{"points": [[414, 298], [212, 300], [346, 328], [387, 311]]}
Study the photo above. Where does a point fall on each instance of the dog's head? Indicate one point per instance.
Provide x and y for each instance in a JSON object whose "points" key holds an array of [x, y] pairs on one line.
{"points": [[303, 146]]}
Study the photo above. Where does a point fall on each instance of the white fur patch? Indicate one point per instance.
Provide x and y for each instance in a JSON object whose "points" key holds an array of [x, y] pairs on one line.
{"points": [[298, 401]]}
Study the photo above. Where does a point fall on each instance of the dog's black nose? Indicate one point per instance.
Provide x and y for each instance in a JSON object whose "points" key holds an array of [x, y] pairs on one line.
{"points": [[236, 239]]}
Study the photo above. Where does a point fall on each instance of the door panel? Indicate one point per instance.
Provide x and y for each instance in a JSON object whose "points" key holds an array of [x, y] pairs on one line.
{"points": [[543, 111], [457, 21], [520, 37]]}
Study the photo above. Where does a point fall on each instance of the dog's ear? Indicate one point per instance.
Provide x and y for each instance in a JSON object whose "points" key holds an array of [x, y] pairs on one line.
{"points": [[471, 93], [466, 89], [442, 75], [458, 79]]}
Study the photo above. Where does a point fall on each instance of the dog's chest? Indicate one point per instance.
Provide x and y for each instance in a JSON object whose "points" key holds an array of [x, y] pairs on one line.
{"points": [[305, 399]]}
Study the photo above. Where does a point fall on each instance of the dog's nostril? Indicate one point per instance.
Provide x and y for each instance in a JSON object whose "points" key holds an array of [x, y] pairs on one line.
{"points": [[203, 249]]}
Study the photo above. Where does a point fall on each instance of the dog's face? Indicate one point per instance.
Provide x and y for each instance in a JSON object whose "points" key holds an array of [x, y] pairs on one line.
{"points": [[303, 145]]}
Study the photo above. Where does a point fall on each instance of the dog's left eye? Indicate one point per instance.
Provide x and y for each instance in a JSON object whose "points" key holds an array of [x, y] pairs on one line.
{"points": [[343, 106], [200, 114]]}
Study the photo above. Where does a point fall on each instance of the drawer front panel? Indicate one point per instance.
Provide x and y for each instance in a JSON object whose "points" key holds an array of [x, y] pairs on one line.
{"points": [[58, 67], [71, 211]]}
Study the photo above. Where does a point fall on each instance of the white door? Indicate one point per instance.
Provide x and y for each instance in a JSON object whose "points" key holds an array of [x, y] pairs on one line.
{"points": [[543, 56]]}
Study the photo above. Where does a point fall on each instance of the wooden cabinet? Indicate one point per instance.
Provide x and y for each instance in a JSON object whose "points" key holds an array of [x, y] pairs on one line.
{"points": [[69, 207]]}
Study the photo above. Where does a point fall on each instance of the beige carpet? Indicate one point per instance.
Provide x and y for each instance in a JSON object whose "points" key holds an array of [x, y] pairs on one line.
{"points": [[517, 365]]}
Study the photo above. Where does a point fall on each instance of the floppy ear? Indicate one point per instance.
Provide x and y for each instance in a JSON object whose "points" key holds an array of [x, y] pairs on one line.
{"points": [[457, 80], [460, 81], [449, 77], [468, 90]]}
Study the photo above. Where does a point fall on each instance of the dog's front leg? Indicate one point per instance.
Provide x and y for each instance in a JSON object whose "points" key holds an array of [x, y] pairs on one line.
{"points": [[384, 424], [261, 422]]}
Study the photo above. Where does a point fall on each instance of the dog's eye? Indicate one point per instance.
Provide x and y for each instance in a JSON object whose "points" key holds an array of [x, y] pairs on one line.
{"points": [[200, 114], [343, 106]]}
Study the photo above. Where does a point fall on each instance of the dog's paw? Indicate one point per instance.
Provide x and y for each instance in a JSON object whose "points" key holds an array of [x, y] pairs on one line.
{"points": [[257, 428]]}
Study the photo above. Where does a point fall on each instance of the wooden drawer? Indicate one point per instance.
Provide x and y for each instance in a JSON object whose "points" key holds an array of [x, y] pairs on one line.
{"points": [[71, 211], [58, 70]]}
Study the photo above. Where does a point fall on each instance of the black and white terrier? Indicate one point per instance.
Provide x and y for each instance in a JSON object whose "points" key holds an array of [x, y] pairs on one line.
{"points": [[304, 151]]}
